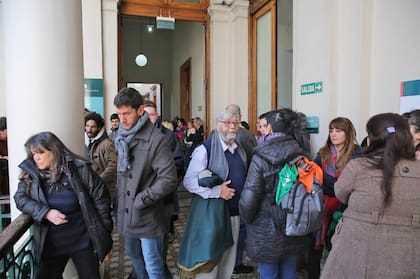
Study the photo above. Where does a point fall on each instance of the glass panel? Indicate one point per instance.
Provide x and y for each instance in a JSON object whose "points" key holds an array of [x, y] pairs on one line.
{"points": [[187, 1], [284, 53], [264, 63]]}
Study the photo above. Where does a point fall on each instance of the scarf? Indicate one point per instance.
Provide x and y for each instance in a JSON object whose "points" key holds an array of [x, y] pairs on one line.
{"points": [[124, 138], [89, 141]]}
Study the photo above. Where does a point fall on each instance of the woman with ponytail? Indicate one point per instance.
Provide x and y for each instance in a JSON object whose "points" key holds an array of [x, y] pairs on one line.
{"points": [[379, 233]]}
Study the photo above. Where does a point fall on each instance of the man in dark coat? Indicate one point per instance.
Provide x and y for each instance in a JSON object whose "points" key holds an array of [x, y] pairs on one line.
{"points": [[146, 176]]}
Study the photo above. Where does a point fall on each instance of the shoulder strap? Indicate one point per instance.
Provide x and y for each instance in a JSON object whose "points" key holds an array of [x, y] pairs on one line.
{"points": [[207, 145]]}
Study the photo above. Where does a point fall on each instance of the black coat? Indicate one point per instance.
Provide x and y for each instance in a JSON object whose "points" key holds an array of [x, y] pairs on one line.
{"points": [[94, 200], [265, 242]]}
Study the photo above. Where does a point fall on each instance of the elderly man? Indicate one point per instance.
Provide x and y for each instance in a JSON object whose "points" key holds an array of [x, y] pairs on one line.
{"points": [[222, 156]]}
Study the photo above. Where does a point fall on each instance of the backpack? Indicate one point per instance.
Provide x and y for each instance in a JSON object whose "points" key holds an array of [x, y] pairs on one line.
{"points": [[299, 200]]}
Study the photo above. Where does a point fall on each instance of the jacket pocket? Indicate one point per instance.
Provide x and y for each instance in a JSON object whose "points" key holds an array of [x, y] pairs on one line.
{"points": [[142, 217]]}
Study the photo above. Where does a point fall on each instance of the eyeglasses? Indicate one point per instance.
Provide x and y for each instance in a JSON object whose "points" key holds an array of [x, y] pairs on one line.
{"points": [[230, 123]]}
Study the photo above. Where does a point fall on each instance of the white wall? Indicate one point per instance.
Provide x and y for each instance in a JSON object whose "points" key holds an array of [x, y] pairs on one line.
{"points": [[229, 57], [188, 42], [395, 51], [2, 94], [361, 50]]}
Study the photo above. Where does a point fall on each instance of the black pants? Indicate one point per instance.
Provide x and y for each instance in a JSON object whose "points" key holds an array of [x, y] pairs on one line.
{"points": [[86, 262], [314, 265]]}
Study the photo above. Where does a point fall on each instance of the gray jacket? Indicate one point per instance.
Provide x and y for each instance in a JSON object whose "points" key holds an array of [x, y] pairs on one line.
{"points": [[143, 187]]}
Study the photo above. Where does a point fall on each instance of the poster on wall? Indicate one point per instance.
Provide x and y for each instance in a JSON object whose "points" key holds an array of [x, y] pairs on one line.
{"points": [[409, 95], [94, 95], [149, 91]]}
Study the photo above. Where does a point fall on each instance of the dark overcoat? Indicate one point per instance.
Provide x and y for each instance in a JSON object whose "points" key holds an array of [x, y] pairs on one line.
{"points": [[142, 189], [265, 242]]}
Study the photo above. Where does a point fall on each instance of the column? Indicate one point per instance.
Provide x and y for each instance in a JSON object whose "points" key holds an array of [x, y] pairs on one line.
{"points": [[228, 56], [43, 75]]}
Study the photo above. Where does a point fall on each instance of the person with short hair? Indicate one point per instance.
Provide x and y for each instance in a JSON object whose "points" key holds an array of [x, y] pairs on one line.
{"points": [[100, 152], [379, 233], [115, 123], [70, 206], [146, 176], [213, 242]]}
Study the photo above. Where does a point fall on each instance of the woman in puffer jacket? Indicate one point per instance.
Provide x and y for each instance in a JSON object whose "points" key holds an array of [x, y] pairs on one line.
{"points": [[275, 253], [70, 207]]}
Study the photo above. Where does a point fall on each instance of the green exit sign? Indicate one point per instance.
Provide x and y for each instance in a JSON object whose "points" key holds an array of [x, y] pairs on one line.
{"points": [[311, 88], [165, 23]]}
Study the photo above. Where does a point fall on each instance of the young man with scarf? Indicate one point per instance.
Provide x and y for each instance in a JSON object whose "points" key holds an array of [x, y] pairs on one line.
{"points": [[146, 175]]}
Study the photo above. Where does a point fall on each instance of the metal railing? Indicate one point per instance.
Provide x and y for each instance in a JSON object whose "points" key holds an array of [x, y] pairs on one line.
{"points": [[4, 211], [17, 263]]}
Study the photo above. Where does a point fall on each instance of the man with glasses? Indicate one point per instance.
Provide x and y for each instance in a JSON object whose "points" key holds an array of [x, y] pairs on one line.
{"points": [[224, 157]]}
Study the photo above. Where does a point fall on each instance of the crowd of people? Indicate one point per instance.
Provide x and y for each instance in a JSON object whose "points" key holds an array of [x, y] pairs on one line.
{"points": [[129, 178]]}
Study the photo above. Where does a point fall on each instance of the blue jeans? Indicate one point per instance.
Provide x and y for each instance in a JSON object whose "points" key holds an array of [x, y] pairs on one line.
{"points": [[285, 269], [147, 256]]}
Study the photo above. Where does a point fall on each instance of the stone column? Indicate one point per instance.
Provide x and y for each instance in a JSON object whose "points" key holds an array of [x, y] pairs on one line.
{"points": [[43, 75], [229, 56]]}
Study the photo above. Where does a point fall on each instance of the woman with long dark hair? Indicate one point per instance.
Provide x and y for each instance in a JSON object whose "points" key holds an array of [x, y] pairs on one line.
{"points": [[379, 233], [275, 252], [340, 147], [70, 207]]}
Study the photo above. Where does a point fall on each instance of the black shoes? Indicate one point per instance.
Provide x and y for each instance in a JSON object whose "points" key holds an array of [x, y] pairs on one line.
{"points": [[243, 269]]}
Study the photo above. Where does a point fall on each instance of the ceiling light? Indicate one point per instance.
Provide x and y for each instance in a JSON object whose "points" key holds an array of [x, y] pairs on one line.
{"points": [[150, 27]]}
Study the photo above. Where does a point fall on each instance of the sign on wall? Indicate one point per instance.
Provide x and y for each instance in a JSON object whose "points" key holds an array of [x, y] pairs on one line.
{"points": [[311, 88], [94, 95], [409, 95]]}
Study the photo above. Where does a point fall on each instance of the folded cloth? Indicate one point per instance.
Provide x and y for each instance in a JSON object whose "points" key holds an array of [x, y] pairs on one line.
{"points": [[208, 179]]}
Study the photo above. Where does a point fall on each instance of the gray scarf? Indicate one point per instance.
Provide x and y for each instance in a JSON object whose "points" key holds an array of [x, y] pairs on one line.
{"points": [[217, 160], [124, 138]]}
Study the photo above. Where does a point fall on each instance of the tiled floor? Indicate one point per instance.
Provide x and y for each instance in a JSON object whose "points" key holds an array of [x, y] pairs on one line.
{"points": [[119, 266]]}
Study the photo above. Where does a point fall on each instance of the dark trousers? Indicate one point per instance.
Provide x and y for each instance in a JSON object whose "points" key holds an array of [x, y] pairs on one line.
{"points": [[86, 262], [314, 265]]}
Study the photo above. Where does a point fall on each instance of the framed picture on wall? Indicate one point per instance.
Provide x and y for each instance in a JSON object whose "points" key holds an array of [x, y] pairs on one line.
{"points": [[149, 91]]}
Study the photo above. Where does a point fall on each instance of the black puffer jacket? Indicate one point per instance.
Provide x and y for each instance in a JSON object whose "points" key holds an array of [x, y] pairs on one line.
{"points": [[266, 243], [94, 200]]}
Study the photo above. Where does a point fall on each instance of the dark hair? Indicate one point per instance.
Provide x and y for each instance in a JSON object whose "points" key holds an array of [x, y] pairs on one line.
{"points": [[99, 120], [182, 120], [128, 96], [245, 125], [114, 116], [49, 141], [389, 142], [3, 123], [290, 123], [414, 120], [345, 125]]}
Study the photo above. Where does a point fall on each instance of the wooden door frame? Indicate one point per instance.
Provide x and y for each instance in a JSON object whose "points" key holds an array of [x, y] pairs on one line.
{"points": [[186, 66], [260, 8], [177, 10]]}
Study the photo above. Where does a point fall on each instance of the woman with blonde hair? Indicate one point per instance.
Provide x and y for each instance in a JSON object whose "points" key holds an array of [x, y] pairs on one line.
{"points": [[340, 147]]}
